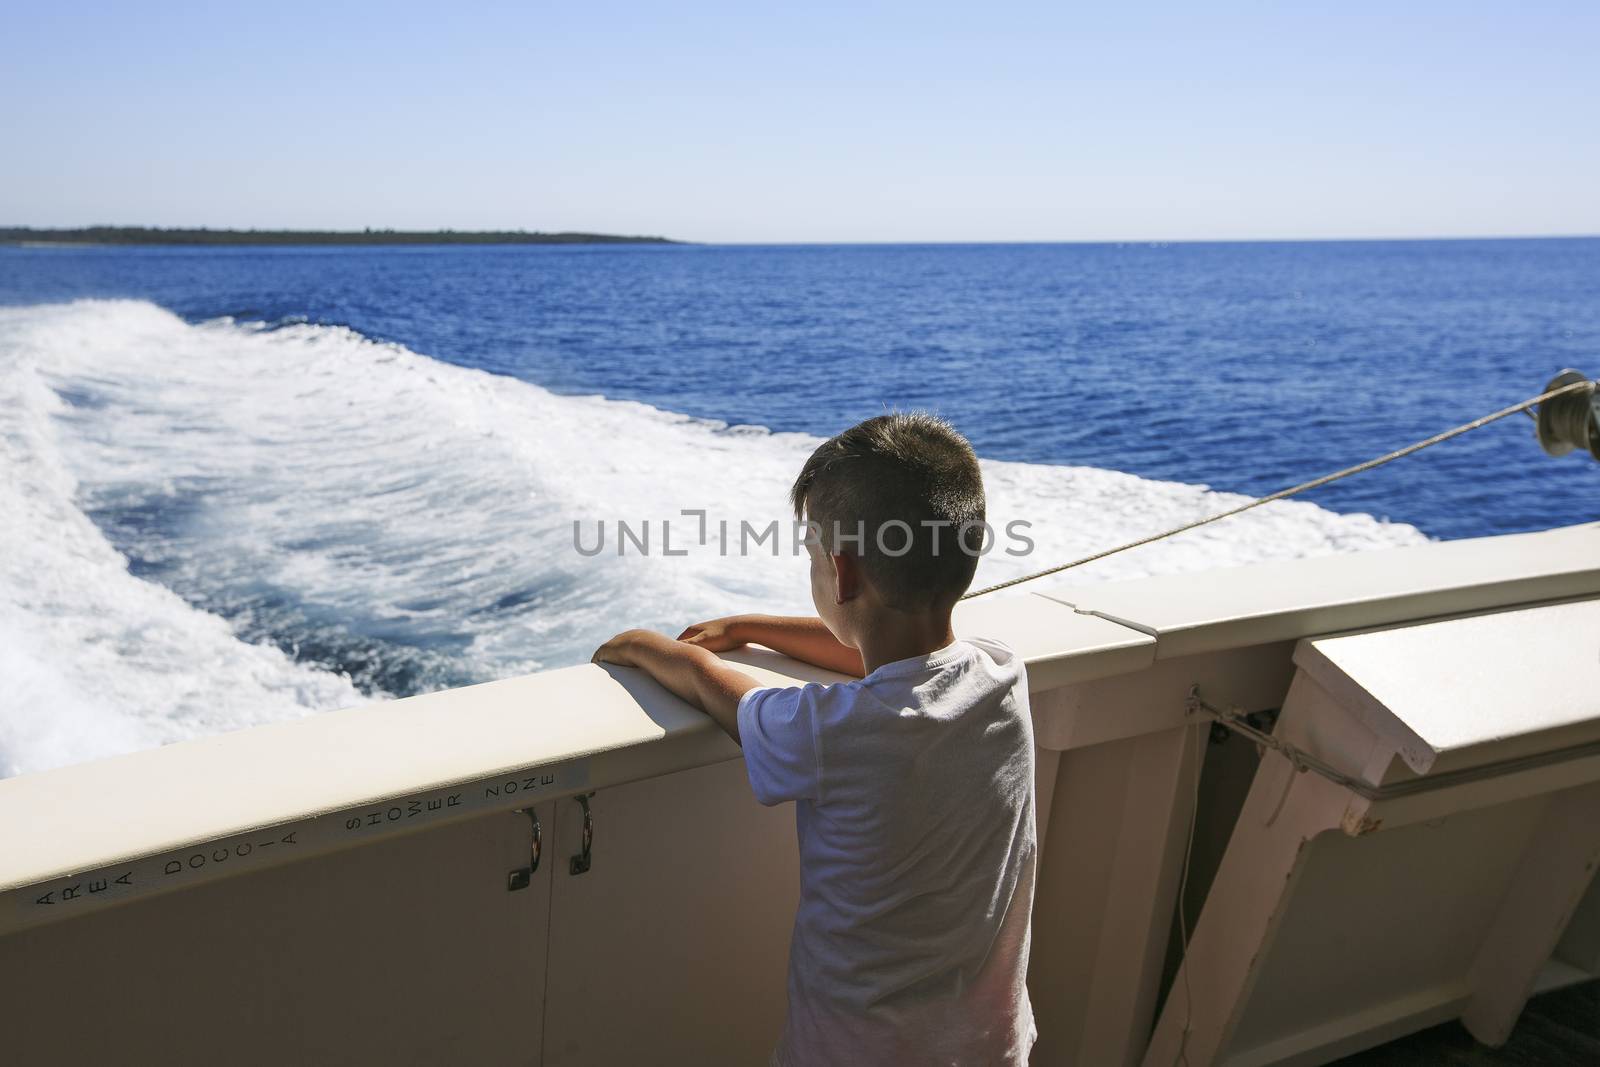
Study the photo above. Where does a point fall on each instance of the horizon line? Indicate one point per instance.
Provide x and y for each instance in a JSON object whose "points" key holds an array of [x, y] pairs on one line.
{"points": [[609, 237]]}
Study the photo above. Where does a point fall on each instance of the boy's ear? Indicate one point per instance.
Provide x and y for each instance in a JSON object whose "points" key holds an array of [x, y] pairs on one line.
{"points": [[846, 576]]}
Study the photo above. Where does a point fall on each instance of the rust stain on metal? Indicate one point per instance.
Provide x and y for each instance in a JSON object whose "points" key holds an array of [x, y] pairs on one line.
{"points": [[1356, 822]]}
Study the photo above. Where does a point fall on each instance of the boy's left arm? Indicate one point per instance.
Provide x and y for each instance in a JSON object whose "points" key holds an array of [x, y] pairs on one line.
{"points": [[693, 673]]}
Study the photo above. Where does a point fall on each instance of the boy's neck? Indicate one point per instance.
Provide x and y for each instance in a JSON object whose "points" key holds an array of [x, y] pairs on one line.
{"points": [[897, 635]]}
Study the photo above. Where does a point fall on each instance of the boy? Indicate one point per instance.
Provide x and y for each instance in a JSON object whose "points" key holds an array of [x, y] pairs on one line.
{"points": [[913, 785]]}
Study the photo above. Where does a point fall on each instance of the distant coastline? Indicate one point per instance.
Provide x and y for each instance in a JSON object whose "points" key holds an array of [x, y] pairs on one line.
{"points": [[149, 235]]}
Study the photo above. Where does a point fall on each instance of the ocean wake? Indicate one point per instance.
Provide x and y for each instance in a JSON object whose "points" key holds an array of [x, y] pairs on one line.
{"points": [[204, 527]]}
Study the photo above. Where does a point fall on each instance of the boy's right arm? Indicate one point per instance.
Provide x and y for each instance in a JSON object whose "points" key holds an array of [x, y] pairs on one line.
{"points": [[804, 638]]}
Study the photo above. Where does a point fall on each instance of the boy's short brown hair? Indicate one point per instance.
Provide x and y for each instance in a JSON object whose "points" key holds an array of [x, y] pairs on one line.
{"points": [[903, 492]]}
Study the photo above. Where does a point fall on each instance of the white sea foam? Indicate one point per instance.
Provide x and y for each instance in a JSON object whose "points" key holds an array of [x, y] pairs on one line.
{"points": [[375, 507]]}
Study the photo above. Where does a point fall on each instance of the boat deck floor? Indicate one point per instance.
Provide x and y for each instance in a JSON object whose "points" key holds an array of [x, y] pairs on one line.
{"points": [[1556, 1028]]}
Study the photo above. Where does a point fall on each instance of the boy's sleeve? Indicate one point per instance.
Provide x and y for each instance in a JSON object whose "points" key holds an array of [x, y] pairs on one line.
{"points": [[778, 731]]}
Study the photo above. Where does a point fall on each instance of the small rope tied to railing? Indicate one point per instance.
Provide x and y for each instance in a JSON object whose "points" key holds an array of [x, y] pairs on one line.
{"points": [[1574, 422]]}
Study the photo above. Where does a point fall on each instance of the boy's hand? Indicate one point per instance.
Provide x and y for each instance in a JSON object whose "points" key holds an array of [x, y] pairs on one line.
{"points": [[804, 637], [620, 649], [717, 635], [690, 671]]}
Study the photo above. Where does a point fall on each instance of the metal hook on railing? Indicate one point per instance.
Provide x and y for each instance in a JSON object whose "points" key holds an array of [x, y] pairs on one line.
{"points": [[522, 877], [537, 845], [580, 862]]}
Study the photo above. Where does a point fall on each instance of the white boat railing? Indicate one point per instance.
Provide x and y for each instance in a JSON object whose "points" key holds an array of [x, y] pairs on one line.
{"points": [[362, 882]]}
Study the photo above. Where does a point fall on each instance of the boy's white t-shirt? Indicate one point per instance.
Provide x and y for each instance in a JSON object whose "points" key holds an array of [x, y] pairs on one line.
{"points": [[914, 806]]}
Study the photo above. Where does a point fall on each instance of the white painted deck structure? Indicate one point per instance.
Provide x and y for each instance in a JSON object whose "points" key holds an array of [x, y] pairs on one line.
{"points": [[356, 887], [1441, 887]]}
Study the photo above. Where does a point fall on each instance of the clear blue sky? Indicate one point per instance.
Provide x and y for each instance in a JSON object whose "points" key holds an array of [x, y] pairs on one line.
{"points": [[809, 121]]}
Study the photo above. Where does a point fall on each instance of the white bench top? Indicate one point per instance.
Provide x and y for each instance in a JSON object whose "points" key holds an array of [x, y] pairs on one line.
{"points": [[1479, 680]]}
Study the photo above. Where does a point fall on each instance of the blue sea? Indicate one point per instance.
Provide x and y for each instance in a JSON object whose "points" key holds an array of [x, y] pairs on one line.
{"points": [[240, 485]]}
